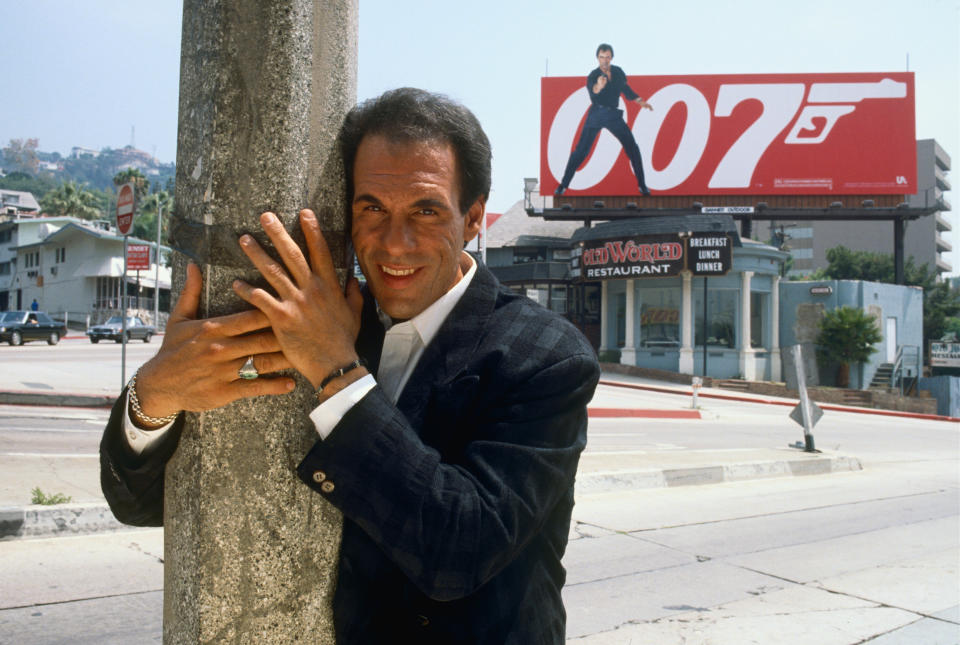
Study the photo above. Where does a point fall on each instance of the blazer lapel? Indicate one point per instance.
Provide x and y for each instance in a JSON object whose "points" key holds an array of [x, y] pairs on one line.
{"points": [[440, 373]]}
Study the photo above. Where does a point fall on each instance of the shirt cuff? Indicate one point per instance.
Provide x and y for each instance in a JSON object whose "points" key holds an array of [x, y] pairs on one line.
{"points": [[328, 414], [137, 438]]}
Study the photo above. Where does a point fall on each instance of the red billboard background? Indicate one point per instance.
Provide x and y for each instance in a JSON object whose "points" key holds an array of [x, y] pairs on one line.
{"points": [[761, 134]]}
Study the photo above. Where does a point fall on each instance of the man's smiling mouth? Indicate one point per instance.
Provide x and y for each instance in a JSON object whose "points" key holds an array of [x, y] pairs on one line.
{"points": [[396, 272]]}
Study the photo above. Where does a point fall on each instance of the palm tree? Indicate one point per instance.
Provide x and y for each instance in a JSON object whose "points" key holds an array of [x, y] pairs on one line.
{"points": [[847, 335], [70, 200], [145, 226]]}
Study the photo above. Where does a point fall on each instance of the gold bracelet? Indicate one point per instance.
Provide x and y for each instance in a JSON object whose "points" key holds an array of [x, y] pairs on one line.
{"points": [[138, 411]]}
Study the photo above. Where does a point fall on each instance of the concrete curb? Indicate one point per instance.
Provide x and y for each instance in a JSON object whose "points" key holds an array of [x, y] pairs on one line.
{"points": [[59, 399], [56, 521], [83, 519], [623, 480], [756, 399]]}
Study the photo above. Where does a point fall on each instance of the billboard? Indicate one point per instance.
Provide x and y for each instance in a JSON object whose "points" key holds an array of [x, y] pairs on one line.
{"points": [[761, 134]]}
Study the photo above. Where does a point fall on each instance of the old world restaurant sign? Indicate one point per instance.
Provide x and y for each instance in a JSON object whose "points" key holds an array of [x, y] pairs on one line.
{"points": [[652, 256]]}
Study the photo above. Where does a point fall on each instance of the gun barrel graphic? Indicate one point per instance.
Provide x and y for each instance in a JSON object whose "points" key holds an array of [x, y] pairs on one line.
{"points": [[838, 93]]}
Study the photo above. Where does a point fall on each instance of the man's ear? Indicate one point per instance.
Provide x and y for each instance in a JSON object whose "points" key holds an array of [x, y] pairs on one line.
{"points": [[473, 220]]}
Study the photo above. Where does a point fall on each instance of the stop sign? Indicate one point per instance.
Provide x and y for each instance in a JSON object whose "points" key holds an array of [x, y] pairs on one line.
{"points": [[125, 208]]}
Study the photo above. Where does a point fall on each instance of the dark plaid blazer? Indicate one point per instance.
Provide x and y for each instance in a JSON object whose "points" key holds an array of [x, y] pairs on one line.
{"points": [[457, 500]]}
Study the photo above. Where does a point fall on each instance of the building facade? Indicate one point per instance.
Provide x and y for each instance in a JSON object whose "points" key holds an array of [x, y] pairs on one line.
{"points": [[74, 269]]}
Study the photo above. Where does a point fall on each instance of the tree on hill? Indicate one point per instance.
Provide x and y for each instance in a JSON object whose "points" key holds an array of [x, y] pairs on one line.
{"points": [[22, 181], [71, 200], [21, 154]]}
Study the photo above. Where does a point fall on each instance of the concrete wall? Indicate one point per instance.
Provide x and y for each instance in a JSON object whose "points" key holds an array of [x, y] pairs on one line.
{"points": [[946, 390]]}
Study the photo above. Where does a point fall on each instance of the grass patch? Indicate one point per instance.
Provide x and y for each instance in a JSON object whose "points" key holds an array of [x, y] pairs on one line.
{"points": [[37, 496]]}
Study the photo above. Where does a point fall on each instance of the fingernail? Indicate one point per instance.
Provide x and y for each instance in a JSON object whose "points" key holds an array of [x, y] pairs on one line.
{"points": [[268, 218], [245, 240], [290, 385], [306, 215]]}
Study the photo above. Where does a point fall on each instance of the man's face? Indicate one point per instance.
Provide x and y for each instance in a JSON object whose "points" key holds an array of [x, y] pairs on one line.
{"points": [[408, 230], [604, 58]]}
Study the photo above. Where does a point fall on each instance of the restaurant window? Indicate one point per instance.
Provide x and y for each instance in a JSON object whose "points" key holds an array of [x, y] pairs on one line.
{"points": [[660, 318], [721, 317], [758, 307]]}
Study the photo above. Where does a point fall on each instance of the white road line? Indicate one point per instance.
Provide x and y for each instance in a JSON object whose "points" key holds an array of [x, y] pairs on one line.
{"points": [[51, 455]]}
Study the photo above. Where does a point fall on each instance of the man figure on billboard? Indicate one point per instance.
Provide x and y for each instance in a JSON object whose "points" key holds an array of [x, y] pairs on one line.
{"points": [[451, 412], [604, 85]]}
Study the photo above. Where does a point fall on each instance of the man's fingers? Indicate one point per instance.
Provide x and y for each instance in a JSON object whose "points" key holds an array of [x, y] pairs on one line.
{"points": [[189, 300], [290, 253], [236, 324], [354, 299], [320, 258]]}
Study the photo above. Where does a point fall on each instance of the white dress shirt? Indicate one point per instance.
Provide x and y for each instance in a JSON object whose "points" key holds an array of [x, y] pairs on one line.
{"points": [[403, 345]]}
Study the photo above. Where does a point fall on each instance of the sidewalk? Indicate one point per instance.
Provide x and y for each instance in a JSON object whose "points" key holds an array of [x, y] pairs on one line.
{"points": [[599, 471]]}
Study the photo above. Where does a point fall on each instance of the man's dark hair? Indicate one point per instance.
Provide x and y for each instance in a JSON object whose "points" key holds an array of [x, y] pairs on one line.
{"points": [[408, 115], [604, 47]]}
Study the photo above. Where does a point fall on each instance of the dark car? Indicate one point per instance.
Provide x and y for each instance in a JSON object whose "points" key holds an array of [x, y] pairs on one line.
{"points": [[113, 330], [17, 327]]}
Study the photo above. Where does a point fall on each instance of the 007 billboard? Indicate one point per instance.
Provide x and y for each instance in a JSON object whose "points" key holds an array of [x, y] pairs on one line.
{"points": [[760, 134]]}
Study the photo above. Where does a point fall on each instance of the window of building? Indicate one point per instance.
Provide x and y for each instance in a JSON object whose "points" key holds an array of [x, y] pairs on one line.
{"points": [[522, 255], [4, 268], [61, 254], [721, 317], [6, 235], [660, 318], [758, 316], [558, 298]]}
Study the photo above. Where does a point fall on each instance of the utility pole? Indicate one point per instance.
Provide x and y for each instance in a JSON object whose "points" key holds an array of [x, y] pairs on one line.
{"points": [[156, 275], [250, 552]]}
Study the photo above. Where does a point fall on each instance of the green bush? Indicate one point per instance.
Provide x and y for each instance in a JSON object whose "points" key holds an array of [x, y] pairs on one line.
{"points": [[847, 335]]}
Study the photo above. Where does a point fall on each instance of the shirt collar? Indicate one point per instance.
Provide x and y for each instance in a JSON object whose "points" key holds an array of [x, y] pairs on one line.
{"points": [[428, 322]]}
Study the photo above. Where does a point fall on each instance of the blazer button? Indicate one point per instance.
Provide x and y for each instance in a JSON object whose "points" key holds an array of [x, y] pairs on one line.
{"points": [[423, 620], [319, 476], [326, 487]]}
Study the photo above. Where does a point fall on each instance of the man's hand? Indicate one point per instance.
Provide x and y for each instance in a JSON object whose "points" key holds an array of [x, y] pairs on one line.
{"points": [[314, 322], [196, 367], [643, 104], [601, 83]]}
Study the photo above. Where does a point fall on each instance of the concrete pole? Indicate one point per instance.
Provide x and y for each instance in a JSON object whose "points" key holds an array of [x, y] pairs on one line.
{"points": [[251, 552]]}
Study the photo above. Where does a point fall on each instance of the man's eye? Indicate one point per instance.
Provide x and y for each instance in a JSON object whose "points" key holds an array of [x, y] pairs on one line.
{"points": [[427, 211]]}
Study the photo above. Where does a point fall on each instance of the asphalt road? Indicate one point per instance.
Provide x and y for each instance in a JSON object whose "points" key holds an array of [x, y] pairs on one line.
{"points": [[836, 559], [860, 557]]}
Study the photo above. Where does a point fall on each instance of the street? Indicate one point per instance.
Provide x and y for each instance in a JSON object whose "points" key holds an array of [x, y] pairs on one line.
{"points": [[864, 556]]}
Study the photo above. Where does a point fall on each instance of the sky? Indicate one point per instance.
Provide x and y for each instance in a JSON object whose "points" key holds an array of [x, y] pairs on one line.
{"points": [[105, 73]]}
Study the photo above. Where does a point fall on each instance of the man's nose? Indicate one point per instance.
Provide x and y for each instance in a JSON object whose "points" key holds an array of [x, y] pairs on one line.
{"points": [[396, 236]]}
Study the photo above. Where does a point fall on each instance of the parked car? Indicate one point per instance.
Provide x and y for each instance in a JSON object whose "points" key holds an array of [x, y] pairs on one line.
{"points": [[18, 327], [113, 330]]}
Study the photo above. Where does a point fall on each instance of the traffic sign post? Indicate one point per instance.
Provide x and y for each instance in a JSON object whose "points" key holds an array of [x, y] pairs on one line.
{"points": [[126, 204], [125, 207]]}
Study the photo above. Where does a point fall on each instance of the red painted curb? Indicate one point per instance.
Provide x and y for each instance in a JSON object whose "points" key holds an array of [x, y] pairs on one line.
{"points": [[601, 413], [790, 404]]}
